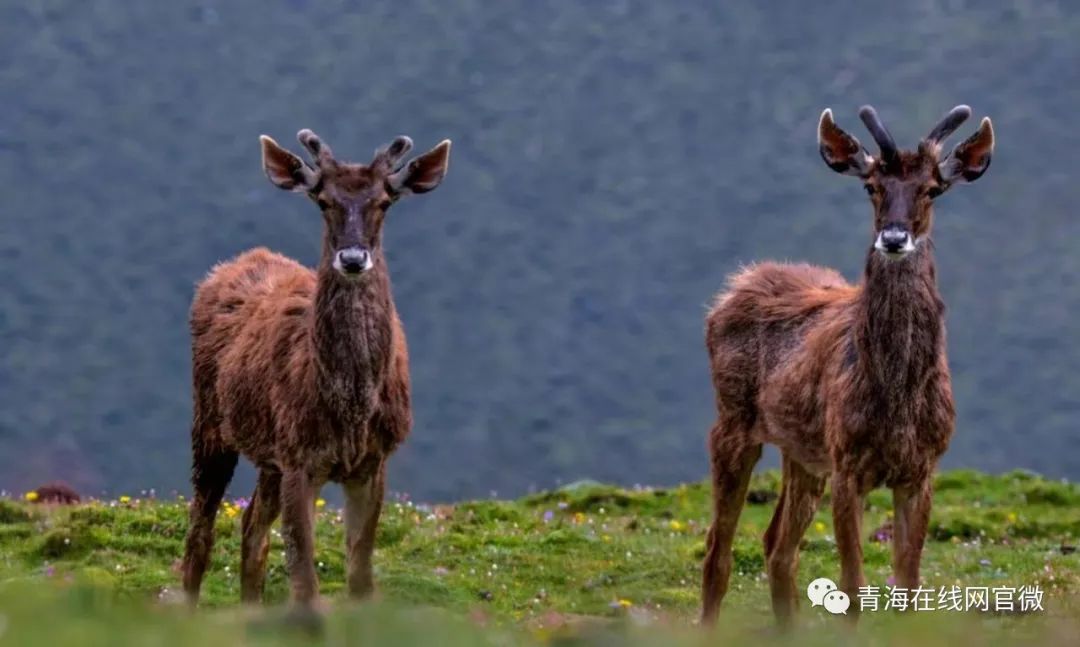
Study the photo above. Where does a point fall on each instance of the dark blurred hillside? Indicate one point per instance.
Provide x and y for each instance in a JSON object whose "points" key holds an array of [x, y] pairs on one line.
{"points": [[612, 162]]}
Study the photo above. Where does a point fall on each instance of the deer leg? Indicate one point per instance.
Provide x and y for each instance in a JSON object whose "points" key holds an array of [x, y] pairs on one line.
{"points": [[733, 460], [260, 514], [297, 529], [772, 533], [798, 502], [911, 512], [363, 503], [847, 503], [210, 475]]}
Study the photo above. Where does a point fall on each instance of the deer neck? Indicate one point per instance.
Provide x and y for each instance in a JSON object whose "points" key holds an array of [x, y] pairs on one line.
{"points": [[352, 327], [900, 329]]}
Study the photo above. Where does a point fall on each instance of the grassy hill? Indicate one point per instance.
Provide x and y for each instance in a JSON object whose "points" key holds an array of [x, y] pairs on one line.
{"points": [[588, 562]]}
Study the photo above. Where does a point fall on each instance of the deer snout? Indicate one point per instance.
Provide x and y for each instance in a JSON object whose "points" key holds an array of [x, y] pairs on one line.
{"points": [[895, 242], [352, 261]]}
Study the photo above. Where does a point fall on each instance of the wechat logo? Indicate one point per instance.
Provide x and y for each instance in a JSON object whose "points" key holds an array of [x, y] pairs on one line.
{"points": [[823, 593]]}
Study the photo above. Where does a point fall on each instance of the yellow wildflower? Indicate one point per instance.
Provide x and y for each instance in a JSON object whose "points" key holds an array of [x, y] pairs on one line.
{"points": [[579, 517], [624, 603], [125, 499], [819, 526], [675, 525], [1012, 517], [320, 503], [31, 496]]}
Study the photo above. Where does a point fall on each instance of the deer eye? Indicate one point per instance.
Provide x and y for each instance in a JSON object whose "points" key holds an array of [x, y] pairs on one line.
{"points": [[934, 191], [870, 189], [322, 203], [383, 205]]}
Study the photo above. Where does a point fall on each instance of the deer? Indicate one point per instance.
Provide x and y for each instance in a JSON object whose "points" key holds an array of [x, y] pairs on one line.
{"points": [[850, 382], [304, 372]]}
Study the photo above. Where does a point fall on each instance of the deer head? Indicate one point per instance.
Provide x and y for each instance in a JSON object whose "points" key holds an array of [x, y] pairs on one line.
{"points": [[353, 198], [903, 184]]}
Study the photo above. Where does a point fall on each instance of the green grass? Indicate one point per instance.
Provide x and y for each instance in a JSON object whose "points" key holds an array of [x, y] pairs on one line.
{"points": [[588, 561]]}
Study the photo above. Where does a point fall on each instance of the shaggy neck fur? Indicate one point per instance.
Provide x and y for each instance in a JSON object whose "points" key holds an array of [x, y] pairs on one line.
{"points": [[900, 329], [352, 335]]}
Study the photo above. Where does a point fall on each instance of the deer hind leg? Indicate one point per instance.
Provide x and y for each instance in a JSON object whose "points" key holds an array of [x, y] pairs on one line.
{"points": [[734, 455], [260, 514], [799, 498], [211, 471], [911, 511], [363, 503]]}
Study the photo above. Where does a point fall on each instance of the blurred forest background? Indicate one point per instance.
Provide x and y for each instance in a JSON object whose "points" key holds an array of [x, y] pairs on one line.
{"points": [[613, 161]]}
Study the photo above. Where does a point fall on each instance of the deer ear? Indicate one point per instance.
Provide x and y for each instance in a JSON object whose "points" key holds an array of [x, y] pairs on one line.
{"points": [[285, 170], [842, 152], [424, 173], [971, 157]]}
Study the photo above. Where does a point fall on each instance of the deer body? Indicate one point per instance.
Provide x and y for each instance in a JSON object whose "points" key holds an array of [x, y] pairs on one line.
{"points": [[305, 373], [842, 354], [302, 367], [850, 382]]}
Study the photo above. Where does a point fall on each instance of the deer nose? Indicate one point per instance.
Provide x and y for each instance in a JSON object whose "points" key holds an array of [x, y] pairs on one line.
{"points": [[894, 240], [352, 260]]}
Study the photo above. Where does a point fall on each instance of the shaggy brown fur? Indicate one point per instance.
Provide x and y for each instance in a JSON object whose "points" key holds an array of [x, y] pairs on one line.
{"points": [[850, 382], [304, 372]]}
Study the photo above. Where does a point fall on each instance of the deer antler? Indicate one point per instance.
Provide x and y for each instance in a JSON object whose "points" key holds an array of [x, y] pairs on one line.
{"points": [[320, 152], [885, 140], [390, 155], [889, 152], [948, 125]]}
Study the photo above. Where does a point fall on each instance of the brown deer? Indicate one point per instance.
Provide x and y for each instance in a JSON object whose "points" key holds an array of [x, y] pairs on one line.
{"points": [[850, 382], [304, 372]]}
